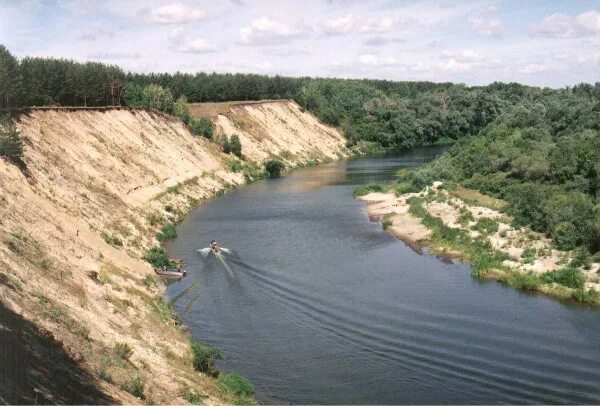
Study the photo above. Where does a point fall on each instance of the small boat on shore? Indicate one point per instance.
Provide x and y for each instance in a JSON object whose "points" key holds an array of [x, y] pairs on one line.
{"points": [[178, 272]]}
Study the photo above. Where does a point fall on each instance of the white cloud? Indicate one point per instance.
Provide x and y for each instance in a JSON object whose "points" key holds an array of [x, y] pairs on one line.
{"points": [[382, 41], [109, 55], [348, 24], [560, 25], [590, 21], [174, 13], [490, 27], [265, 31], [460, 61], [181, 42], [94, 32], [376, 61], [532, 68]]}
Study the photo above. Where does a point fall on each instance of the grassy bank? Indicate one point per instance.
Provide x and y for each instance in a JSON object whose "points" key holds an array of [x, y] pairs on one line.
{"points": [[466, 224]]}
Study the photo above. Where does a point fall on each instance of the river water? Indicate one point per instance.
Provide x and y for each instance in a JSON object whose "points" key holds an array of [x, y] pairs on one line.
{"points": [[318, 305]]}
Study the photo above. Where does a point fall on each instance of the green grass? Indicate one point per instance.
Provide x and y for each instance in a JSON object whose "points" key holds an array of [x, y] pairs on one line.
{"points": [[585, 296], [366, 189], [486, 226], [569, 277], [404, 187], [519, 280], [123, 351], [235, 383], [149, 281], [478, 251], [167, 232], [135, 386], [528, 255], [192, 397], [203, 357], [465, 216]]}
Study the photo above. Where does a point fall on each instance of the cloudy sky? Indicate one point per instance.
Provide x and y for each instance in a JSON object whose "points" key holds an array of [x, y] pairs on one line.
{"points": [[546, 43]]}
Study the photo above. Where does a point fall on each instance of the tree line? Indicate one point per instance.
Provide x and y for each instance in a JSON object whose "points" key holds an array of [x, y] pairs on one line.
{"points": [[51, 81], [541, 155]]}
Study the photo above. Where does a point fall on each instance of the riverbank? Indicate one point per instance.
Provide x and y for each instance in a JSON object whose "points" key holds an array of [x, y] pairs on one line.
{"points": [[465, 224], [74, 229]]}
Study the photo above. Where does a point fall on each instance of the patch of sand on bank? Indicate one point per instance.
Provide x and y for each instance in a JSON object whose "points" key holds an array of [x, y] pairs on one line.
{"points": [[541, 256], [404, 226]]}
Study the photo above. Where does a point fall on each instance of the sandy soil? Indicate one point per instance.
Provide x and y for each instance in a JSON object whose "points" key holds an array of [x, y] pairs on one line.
{"points": [[508, 239], [102, 184], [276, 129]]}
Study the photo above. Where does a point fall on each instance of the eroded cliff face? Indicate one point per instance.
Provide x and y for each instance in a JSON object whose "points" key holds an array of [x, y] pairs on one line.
{"points": [[102, 185], [274, 128]]}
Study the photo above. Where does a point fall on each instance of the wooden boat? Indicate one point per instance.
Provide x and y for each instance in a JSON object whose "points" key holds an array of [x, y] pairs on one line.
{"points": [[178, 273]]}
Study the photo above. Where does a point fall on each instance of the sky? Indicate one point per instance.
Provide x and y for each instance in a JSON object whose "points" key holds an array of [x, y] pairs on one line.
{"points": [[543, 43]]}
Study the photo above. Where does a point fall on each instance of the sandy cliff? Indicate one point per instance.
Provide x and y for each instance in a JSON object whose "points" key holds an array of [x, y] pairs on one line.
{"points": [[102, 184]]}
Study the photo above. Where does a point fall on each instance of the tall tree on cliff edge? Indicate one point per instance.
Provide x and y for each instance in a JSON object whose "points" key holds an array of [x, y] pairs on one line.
{"points": [[10, 79]]}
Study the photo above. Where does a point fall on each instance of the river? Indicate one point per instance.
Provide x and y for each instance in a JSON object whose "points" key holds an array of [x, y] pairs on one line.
{"points": [[319, 305]]}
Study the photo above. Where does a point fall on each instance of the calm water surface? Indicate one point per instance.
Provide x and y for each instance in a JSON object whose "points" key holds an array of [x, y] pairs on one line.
{"points": [[319, 305]]}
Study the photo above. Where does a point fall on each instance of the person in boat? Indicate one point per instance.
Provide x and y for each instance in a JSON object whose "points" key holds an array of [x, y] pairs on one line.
{"points": [[215, 247]]}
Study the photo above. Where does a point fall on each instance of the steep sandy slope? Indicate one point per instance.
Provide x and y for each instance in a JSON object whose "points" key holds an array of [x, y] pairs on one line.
{"points": [[281, 128], [102, 184]]}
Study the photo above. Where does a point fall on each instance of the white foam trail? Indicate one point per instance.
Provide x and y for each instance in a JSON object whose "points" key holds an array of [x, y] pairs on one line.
{"points": [[207, 250], [204, 251]]}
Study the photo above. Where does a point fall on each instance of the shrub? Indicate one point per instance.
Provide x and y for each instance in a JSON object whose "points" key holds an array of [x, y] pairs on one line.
{"points": [[168, 232], [236, 146], [123, 350], [564, 236], [386, 224], [134, 386], [582, 258], [274, 167], [235, 383], [149, 281], [525, 281], [528, 255], [203, 358], [569, 277], [405, 187], [11, 143], [157, 257], [193, 397], [226, 145], [465, 216], [585, 296], [366, 189], [181, 110], [486, 225], [204, 127]]}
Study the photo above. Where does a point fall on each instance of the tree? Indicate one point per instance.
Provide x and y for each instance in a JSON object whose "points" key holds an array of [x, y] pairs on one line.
{"points": [[236, 146], [203, 127], [11, 143], [274, 167], [10, 79], [159, 98], [181, 110]]}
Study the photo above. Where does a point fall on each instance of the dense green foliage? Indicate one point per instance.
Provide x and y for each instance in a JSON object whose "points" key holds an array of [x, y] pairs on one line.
{"points": [[366, 189], [48, 81], [569, 277], [11, 143], [158, 258], [203, 358], [543, 157], [167, 232], [274, 167], [233, 146], [203, 127], [235, 383]]}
